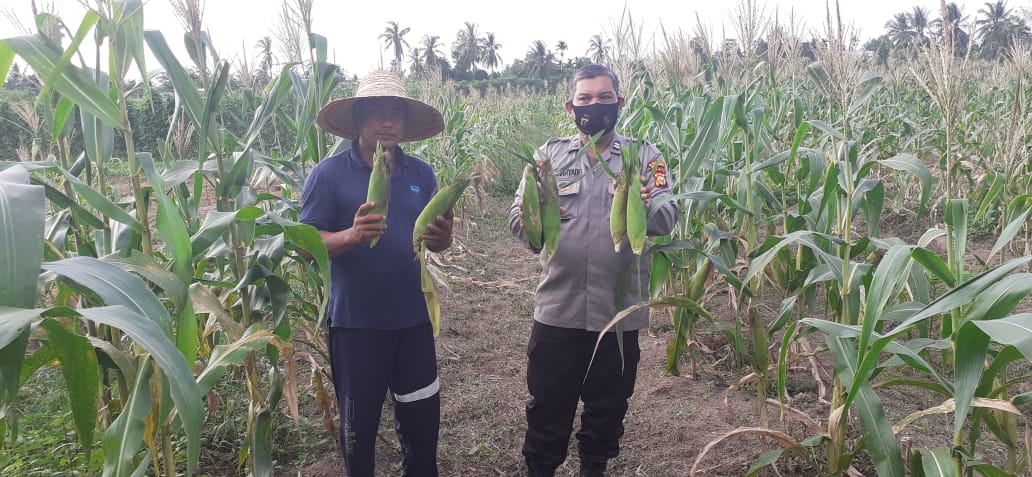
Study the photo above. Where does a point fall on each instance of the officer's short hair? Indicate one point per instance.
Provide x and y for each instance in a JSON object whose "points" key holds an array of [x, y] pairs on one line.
{"points": [[593, 71]]}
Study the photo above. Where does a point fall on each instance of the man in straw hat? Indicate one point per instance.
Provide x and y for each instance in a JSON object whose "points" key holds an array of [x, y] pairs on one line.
{"points": [[380, 336]]}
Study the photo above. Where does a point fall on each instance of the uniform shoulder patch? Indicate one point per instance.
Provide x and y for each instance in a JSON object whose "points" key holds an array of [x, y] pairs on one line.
{"points": [[659, 173]]}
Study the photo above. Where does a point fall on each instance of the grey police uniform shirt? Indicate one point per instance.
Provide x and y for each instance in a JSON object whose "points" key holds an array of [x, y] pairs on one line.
{"points": [[579, 284]]}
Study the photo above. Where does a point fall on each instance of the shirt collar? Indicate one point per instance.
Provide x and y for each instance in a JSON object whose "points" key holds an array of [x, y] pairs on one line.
{"points": [[613, 150]]}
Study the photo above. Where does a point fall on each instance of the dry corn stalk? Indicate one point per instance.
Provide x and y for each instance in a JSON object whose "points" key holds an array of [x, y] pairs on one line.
{"points": [[379, 191]]}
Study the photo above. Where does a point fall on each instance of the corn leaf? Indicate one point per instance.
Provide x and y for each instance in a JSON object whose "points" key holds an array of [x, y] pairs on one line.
{"points": [[113, 285], [234, 353], [6, 60], [61, 113], [1014, 225], [70, 81], [912, 165], [934, 265], [102, 203], [706, 137], [22, 218], [1014, 330], [81, 373], [14, 338], [128, 31], [952, 299], [275, 95], [877, 431], [186, 90], [123, 438], [182, 386], [147, 267], [98, 137], [938, 463]]}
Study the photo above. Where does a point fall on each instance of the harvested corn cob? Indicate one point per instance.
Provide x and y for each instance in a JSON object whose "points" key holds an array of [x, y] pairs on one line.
{"points": [[636, 224], [550, 215], [618, 214], [531, 208], [443, 200], [379, 191]]}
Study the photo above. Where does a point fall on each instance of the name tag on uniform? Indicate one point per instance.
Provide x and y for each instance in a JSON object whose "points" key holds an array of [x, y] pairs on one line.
{"points": [[569, 189]]}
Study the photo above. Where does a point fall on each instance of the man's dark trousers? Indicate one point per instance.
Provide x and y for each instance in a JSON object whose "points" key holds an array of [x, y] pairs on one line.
{"points": [[365, 364], [558, 361]]}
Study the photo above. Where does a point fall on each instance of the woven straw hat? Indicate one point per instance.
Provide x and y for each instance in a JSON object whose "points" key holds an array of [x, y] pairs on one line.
{"points": [[423, 120]]}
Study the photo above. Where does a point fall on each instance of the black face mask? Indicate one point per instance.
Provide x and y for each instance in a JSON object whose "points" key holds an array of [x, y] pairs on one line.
{"points": [[592, 118]]}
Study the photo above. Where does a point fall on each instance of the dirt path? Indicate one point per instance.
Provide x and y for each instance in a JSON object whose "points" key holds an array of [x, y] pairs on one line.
{"points": [[482, 357]]}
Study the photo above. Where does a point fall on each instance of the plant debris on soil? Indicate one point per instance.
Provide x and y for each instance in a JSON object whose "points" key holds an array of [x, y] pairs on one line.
{"points": [[486, 319]]}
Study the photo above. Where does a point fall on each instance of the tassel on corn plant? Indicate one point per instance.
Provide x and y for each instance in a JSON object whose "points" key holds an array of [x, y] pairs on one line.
{"points": [[379, 191], [531, 208]]}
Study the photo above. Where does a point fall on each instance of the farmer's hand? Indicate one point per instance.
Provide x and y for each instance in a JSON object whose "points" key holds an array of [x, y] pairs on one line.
{"points": [[366, 226], [438, 234]]}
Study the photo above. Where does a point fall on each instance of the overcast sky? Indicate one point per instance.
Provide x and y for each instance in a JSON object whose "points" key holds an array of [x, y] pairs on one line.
{"points": [[352, 27]]}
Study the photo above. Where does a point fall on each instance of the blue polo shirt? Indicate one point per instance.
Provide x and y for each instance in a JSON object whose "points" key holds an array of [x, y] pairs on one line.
{"points": [[371, 287]]}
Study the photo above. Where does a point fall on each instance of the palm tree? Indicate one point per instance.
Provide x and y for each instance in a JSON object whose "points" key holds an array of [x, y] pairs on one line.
{"points": [[598, 49], [416, 62], [539, 59], [432, 55], [899, 31], [991, 28], [954, 19], [394, 37], [561, 47], [489, 52], [466, 49], [264, 47], [919, 22]]}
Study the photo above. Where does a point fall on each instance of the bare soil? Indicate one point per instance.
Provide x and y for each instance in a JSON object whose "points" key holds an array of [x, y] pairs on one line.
{"points": [[482, 356]]}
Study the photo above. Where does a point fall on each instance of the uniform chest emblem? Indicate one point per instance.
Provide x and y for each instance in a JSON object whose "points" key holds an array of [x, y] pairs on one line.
{"points": [[415, 188]]}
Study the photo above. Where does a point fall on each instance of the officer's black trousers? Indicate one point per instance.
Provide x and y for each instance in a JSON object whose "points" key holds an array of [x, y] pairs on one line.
{"points": [[365, 364], [557, 362]]}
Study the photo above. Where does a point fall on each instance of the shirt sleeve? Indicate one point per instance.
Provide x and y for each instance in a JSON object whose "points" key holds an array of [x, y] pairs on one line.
{"points": [[318, 204], [662, 215]]}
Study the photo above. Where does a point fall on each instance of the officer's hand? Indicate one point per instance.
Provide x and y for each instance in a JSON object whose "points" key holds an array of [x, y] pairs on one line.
{"points": [[646, 191]]}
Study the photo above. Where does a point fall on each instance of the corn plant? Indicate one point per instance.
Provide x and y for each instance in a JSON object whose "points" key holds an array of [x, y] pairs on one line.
{"points": [[233, 265]]}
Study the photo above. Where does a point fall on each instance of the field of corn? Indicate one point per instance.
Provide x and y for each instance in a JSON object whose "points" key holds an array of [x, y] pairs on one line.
{"points": [[849, 276]]}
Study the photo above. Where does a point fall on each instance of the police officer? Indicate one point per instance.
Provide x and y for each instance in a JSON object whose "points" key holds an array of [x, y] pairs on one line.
{"points": [[578, 292]]}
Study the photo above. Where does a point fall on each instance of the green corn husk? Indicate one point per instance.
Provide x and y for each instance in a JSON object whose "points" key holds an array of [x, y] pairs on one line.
{"points": [[433, 306], [444, 199], [531, 208], [379, 191], [636, 220], [550, 216], [618, 214]]}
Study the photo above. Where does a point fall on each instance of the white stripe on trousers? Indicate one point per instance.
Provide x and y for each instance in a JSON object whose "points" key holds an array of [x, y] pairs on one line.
{"points": [[418, 394]]}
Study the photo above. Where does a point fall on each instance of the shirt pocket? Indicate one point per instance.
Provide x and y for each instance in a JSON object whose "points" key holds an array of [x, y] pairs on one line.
{"points": [[569, 195]]}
